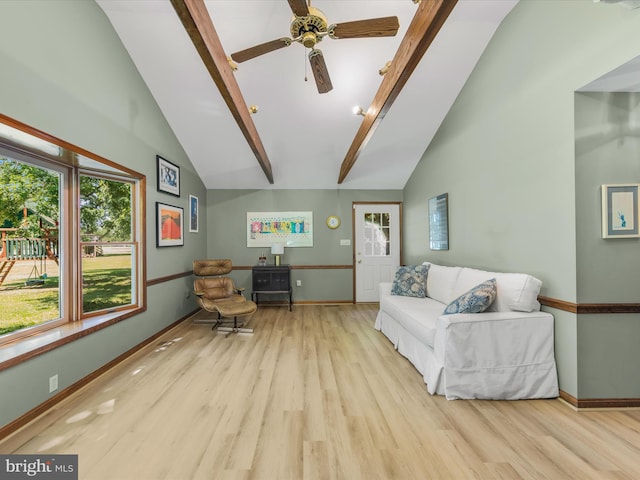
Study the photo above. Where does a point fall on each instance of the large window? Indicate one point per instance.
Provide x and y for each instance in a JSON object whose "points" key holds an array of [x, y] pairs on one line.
{"points": [[107, 243], [71, 243], [30, 209]]}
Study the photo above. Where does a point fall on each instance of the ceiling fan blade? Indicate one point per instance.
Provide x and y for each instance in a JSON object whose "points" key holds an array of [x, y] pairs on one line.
{"points": [[299, 7], [320, 72], [256, 51], [373, 27]]}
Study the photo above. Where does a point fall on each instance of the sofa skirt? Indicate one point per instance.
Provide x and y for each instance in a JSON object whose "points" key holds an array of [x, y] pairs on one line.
{"points": [[420, 355], [509, 378]]}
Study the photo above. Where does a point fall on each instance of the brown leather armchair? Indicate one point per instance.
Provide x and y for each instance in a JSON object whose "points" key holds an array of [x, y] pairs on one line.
{"points": [[217, 293]]}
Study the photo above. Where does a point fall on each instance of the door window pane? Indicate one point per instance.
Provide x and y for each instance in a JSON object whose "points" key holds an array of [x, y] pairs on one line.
{"points": [[376, 235]]}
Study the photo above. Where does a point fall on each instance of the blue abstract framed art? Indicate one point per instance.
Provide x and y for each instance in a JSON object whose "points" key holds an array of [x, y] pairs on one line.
{"points": [[620, 211]]}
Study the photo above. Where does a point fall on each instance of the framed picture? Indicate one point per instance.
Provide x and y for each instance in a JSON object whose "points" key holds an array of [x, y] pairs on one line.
{"points": [[169, 225], [292, 229], [193, 213], [168, 177], [620, 211], [439, 222]]}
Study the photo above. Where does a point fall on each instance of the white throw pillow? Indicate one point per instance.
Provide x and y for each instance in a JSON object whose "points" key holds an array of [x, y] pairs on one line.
{"points": [[441, 282], [517, 292]]}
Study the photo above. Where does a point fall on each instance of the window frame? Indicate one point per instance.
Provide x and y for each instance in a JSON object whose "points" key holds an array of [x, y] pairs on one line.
{"points": [[73, 323], [64, 304], [134, 242]]}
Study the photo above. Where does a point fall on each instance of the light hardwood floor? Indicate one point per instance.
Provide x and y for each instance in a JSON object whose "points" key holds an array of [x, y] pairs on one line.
{"points": [[315, 393]]}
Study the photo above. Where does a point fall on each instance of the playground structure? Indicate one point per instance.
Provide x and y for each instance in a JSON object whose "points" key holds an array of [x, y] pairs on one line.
{"points": [[13, 249], [41, 249]]}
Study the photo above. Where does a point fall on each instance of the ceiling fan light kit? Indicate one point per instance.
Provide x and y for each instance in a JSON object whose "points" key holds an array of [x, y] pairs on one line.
{"points": [[232, 64], [309, 26], [312, 24]]}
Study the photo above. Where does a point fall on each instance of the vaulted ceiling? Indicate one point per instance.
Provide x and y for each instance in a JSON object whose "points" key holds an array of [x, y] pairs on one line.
{"points": [[300, 138]]}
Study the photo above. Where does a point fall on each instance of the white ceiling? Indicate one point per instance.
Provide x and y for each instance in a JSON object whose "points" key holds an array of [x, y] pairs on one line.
{"points": [[306, 135], [625, 78]]}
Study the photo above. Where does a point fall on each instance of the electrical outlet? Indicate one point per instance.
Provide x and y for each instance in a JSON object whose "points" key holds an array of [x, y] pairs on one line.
{"points": [[53, 383], [298, 283]]}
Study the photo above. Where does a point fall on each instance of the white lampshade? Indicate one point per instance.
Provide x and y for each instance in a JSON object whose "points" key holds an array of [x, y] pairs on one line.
{"points": [[277, 249]]}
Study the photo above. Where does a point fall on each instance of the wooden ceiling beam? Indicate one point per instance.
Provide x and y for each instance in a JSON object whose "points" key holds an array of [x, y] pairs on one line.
{"points": [[197, 22], [424, 27]]}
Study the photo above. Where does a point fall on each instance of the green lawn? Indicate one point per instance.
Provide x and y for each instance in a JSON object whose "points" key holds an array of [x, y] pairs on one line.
{"points": [[106, 280]]}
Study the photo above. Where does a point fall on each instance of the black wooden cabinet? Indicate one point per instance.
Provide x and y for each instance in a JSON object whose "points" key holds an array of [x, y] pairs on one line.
{"points": [[270, 280]]}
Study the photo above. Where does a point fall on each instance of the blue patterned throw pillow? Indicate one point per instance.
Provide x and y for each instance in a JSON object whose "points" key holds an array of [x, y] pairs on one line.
{"points": [[476, 300], [410, 281]]}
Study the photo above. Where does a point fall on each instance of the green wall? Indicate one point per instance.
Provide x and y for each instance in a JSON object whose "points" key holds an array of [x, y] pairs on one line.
{"points": [[607, 127], [65, 72], [226, 234], [607, 152], [506, 156]]}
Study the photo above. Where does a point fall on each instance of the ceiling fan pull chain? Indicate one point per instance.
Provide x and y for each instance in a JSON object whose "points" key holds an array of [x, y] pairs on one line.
{"points": [[305, 65]]}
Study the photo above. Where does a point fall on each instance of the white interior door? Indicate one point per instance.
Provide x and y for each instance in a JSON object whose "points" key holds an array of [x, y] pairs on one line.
{"points": [[377, 247]]}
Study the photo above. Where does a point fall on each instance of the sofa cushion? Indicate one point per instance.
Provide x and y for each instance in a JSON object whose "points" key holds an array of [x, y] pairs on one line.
{"points": [[476, 300], [418, 316], [409, 281], [441, 282], [516, 292]]}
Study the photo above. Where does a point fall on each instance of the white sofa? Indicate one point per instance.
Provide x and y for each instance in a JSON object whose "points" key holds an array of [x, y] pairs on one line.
{"points": [[506, 352]]}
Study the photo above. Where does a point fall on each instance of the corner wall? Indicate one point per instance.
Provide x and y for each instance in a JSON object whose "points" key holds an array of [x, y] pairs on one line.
{"points": [[607, 136], [505, 154], [226, 233], [65, 72]]}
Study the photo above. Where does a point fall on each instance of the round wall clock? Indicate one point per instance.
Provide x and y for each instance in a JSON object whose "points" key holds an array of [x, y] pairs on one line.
{"points": [[333, 221]]}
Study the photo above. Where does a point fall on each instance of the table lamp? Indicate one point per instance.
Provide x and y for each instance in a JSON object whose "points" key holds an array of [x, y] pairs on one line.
{"points": [[277, 249]]}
